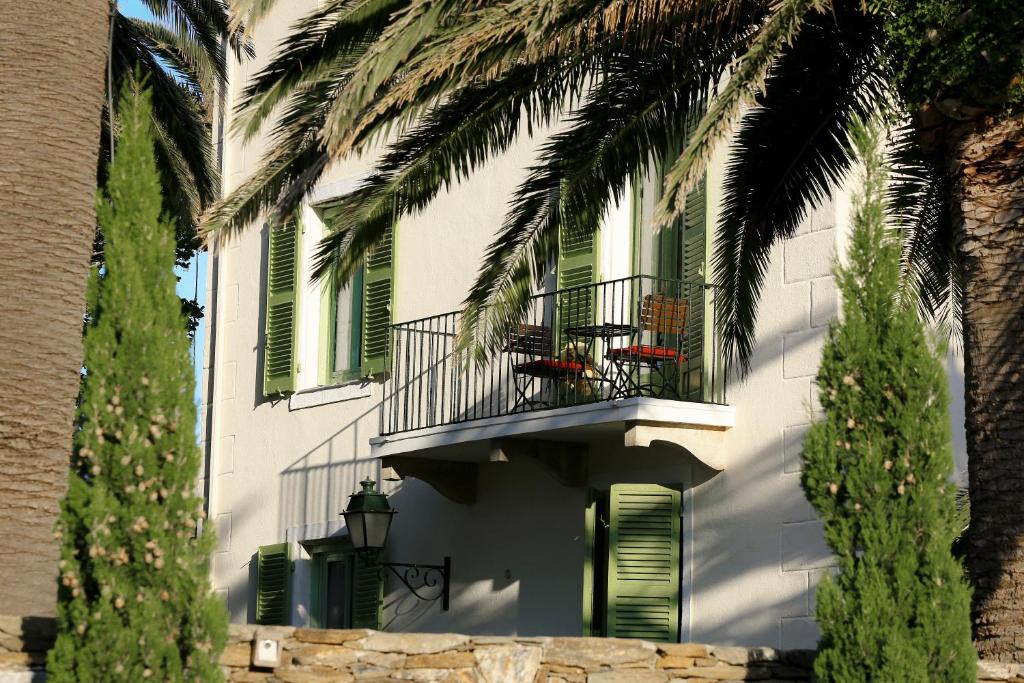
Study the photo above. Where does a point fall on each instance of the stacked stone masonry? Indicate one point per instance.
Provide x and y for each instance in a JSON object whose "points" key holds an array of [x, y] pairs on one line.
{"points": [[348, 656]]}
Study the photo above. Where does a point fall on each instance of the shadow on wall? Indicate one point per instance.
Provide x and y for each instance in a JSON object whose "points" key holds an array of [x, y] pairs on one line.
{"points": [[314, 489], [517, 554], [246, 587]]}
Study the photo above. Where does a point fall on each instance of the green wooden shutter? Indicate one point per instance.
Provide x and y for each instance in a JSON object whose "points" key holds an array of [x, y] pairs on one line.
{"points": [[377, 295], [282, 309], [694, 259], [643, 562], [367, 593], [589, 575], [577, 266], [273, 584]]}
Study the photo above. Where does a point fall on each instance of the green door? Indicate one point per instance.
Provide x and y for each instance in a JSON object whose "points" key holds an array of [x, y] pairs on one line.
{"points": [[643, 582], [680, 258], [346, 589]]}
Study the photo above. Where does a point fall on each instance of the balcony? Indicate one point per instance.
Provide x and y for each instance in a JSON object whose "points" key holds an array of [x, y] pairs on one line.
{"points": [[583, 363]]}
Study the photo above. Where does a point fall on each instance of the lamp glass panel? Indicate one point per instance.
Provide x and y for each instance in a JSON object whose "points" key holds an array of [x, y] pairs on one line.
{"points": [[377, 525], [356, 529]]}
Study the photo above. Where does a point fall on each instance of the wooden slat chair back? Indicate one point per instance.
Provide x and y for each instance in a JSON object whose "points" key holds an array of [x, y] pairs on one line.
{"points": [[530, 340], [534, 375], [664, 319], [663, 314]]}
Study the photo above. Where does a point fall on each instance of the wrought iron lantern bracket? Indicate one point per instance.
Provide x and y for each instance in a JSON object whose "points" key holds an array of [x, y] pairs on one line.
{"points": [[368, 519], [434, 580]]}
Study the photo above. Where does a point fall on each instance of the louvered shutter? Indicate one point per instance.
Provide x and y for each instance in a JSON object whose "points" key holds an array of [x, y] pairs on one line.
{"points": [[589, 573], [273, 584], [694, 257], [377, 294], [282, 307], [643, 562], [367, 593], [577, 267]]}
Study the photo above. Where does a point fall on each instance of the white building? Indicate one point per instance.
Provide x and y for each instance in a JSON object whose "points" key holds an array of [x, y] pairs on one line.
{"points": [[578, 484]]}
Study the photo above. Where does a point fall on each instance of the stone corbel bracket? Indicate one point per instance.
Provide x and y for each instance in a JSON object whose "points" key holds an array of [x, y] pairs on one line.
{"points": [[706, 444], [565, 461], [456, 481]]}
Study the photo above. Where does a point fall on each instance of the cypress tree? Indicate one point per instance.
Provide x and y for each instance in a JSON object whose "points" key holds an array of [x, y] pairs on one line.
{"points": [[134, 601], [877, 469]]}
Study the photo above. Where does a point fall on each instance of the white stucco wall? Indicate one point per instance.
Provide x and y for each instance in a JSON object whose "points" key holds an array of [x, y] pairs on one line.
{"points": [[753, 552]]}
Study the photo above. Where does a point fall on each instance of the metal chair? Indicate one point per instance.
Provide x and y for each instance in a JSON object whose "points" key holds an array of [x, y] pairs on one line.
{"points": [[663, 321], [531, 356]]}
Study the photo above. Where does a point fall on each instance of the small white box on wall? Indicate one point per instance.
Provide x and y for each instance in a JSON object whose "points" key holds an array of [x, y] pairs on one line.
{"points": [[266, 652]]}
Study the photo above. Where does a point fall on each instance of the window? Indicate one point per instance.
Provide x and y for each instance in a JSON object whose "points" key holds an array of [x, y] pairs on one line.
{"points": [[346, 588], [356, 318], [631, 577], [346, 330], [332, 576]]}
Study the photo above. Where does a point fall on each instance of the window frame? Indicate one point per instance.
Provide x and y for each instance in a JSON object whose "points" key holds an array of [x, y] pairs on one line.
{"points": [[321, 555], [329, 375]]}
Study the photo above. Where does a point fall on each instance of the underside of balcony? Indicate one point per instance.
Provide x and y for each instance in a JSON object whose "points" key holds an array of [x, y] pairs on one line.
{"points": [[629, 421]]}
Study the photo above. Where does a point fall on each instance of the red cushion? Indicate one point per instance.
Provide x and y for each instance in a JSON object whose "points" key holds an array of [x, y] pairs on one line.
{"points": [[645, 351], [546, 366]]}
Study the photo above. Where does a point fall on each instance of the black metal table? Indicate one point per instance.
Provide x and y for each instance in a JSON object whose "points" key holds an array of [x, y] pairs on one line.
{"points": [[606, 332]]}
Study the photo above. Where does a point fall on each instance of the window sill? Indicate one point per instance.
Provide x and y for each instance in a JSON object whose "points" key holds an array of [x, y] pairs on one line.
{"points": [[349, 391]]}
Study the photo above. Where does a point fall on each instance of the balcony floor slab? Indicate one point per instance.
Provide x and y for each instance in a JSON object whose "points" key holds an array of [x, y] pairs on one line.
{"points": [[638, 421]]}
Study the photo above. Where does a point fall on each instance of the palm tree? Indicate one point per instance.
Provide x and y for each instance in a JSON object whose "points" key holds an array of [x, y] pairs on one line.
{"points": [[52, 78], [54, 111], [461, 78], [180, 54]]}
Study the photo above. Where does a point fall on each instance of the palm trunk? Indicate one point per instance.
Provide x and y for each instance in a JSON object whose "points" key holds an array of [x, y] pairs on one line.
{"points": [[989, 172], [52, 79]]}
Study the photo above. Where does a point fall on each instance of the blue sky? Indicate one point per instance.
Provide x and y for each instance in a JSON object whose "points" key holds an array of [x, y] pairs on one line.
{"points": [[134, 8], [191, 281]]}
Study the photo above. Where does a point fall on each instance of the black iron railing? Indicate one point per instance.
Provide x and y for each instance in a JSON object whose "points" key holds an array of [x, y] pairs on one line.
{"points": [[637, 336]]}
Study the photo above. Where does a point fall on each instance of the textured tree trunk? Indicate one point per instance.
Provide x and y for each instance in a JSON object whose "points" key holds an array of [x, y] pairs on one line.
{"points": [[52, 57], [989, 177]]}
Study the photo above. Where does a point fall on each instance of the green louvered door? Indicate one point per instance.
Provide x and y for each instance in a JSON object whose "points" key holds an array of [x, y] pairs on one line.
{"points": [[282, 308], [273, 584], [367, 593], [377, 295], [681, 253], [577, 267], [643, 562]]}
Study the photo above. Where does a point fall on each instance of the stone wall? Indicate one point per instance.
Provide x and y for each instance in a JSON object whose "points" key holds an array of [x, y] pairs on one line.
{"points": [[346, 656]]}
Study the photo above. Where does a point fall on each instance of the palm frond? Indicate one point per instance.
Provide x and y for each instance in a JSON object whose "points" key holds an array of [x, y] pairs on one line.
{"points": [[200, 22], [295, 153], [325, 42], [380, 63], [185, 149], [189, 61], [246, 14], [631, 116], [918, 194], [747, 78], [475, 124], [789, 151]]}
